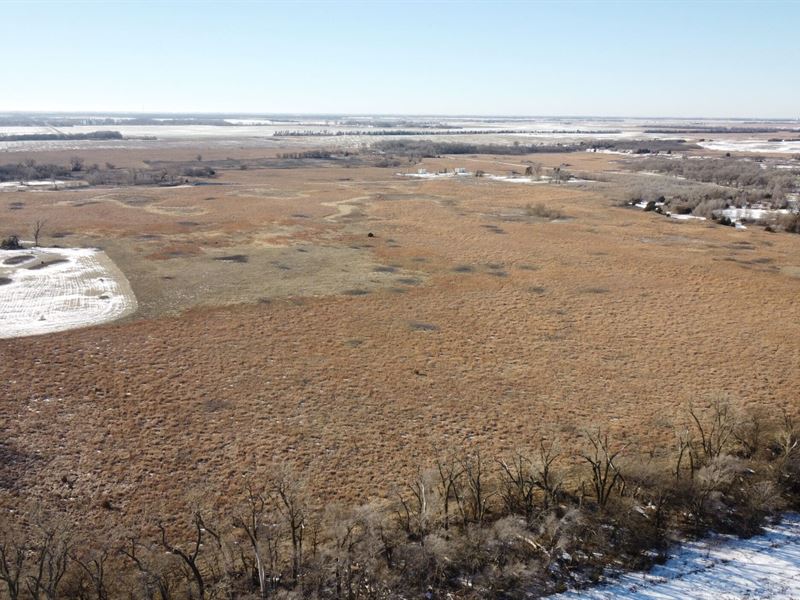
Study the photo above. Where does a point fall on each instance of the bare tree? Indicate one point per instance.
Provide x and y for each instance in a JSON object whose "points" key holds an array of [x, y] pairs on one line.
{"points": [[787, 449], [290, 504], [601, 458], [348, 531], [478, 491], [519, 485], [684, 449], [190, 557], [416, 512], [258, 522], [154, 578], [450, 486], [12, 559], [93, 564], [50, 554], [546, 476], [38, 226]]}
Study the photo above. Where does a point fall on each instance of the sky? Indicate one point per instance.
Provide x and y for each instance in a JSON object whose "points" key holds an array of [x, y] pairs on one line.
{"points": [[645, 59]]}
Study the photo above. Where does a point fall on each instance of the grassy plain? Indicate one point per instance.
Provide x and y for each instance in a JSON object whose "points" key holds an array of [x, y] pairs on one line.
{"points": [[273, 328]]}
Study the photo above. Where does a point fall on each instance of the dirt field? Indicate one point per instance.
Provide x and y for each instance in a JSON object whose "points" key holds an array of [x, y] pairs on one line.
{"points": [[272, 327]]}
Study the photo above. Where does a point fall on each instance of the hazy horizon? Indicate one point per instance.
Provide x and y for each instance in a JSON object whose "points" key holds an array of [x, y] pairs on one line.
{"points": [[219, 113], [676, 60]]}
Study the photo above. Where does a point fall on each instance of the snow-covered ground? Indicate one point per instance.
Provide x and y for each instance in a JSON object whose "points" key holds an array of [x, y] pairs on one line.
{"points": [[766, 567], [787, 147], [751, 214], [516, 179], [54, 289], [425, 175], [504, 178], [685, 217], [44, 184]]}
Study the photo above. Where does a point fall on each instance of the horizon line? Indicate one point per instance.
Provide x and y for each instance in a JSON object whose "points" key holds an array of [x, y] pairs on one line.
{"points": [[4, 112]]}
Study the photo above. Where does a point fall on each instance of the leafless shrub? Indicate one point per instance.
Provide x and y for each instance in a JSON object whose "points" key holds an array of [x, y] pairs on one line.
{"points": [[478, 488], [542, 211], [706, 208], [529, 475], [76, 163], [450, 483], [714, 430], [601, 456], [790, 222], [708, 487], [35, 561]]}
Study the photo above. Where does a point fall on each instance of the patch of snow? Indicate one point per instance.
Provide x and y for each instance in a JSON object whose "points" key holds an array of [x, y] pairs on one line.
{"points": [[751, 214], [765, 566], [685, 217], [426, 175], [513, 179], [76, 287], [787, 147], [39, 184], [251, 122], [607, 151]]}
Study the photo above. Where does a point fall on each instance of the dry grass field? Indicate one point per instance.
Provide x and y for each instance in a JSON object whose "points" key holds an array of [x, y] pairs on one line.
{"points": [[272, 327]]}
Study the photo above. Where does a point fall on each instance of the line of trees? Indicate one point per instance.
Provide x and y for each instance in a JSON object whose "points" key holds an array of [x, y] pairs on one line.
{"points": [[30, 170], [430, 149], [380, 132], [751, 181], [469, 525], [317, 154]]}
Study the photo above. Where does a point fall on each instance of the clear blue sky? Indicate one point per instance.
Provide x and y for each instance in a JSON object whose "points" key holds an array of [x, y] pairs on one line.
{"points": [[714, 59]]}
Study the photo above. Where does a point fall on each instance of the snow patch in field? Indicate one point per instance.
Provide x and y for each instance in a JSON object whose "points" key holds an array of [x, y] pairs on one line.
{"points": [[58, 289], [765, 566], [685, 217], [426, 175], [513, 179], [43, 184], [751, 214], [785, 147], [253, 122]]}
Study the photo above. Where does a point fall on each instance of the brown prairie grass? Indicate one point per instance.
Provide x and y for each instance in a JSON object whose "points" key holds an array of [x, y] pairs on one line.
{"points": [[613, 317]]}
